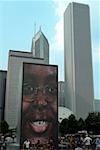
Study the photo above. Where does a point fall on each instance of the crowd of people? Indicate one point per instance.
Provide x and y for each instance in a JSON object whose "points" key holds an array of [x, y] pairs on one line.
{"points": [[27, 145], [80, 142], [70, 142], [6, 140]]}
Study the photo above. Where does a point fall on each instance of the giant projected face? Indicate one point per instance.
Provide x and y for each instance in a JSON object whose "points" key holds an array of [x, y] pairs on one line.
{"points": [[39, 104]]}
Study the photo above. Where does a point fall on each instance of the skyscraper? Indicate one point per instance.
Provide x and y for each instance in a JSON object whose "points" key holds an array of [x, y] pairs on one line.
{"points": [[3, 75], [40, 46], [61, 94], [78, 59]]}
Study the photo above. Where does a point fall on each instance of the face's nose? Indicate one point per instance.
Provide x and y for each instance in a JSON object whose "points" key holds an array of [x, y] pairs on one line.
{"points": [[40, 98]]}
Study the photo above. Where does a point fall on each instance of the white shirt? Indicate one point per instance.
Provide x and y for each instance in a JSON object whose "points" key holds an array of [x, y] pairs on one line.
{"points": [[87, 141], [78, 148], [27, 144]]}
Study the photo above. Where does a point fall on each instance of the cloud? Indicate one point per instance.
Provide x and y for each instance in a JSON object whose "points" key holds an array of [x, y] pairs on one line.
{"points": [[96, 53], [57, 42], [60, 6]]}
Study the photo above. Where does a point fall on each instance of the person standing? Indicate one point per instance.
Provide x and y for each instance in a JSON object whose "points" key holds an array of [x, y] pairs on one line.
{"points": [[27, 144], [97, 142], [87, 142]]}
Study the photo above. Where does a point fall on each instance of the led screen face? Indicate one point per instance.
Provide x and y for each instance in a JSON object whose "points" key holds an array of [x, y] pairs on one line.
{"points": [[39, 104]]}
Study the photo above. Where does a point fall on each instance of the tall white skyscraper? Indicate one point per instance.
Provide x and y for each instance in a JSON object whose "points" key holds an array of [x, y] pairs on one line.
{"points": [[40, 46], [78, 59]]}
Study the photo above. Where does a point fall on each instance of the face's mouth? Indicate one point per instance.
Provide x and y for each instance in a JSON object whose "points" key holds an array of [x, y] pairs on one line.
{"points": [[39, 126]]}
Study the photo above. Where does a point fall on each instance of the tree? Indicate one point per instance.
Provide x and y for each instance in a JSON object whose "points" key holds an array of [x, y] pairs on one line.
{"points": [[4, 127], [93, 122], [72, 124], [81, 124], [63, 126]]}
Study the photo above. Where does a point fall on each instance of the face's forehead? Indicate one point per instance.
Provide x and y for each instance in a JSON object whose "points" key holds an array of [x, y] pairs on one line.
{"points": [[39, 70]]}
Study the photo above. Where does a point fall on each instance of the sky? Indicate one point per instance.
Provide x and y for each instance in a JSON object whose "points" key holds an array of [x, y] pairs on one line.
{"points": [[20, 20]]}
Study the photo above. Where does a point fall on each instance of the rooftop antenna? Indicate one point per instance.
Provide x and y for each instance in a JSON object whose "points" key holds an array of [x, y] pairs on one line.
{"points": [[40, 28], [34, 29]]}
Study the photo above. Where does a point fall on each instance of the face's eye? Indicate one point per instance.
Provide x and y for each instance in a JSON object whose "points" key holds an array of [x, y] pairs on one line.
{"points": [[28, 89], [51, 90]]}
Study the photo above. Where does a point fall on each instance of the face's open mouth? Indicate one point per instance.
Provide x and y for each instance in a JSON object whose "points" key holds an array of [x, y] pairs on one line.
{"points": [[39, 126]]}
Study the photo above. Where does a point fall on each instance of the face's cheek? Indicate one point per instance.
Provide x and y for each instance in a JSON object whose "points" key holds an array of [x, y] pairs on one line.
{"points": [[54, 104], [25, 103], [25, 106]]}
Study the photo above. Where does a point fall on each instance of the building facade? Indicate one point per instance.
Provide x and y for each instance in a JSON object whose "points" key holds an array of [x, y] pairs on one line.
{"points": [[3, 75], [78, 59]]}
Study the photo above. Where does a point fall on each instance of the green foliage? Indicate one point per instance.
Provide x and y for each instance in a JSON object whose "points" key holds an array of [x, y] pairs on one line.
{"points": [[4, 127], [71, 125], [93, 122], [68, 125], [81, 124], [63, 126]]}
